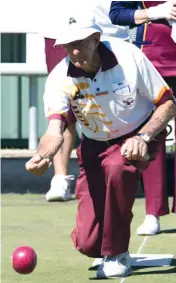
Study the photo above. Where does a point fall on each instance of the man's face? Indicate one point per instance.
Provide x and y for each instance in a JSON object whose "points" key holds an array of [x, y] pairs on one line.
{"points": [[81, 51]]}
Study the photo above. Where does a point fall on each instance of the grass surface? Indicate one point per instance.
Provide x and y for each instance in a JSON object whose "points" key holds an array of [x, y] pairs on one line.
{"points": [[29, 220]]}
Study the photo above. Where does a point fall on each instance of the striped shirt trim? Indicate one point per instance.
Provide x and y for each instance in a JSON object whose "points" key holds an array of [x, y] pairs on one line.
{"points": [[163, 96], [57, 117]]}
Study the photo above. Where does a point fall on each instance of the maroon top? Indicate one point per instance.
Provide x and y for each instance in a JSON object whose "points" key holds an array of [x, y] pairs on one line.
{"points": [[53, 55], [161, 49]]}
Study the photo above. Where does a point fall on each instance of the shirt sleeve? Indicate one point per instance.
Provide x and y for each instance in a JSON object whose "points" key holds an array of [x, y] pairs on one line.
{"points": [[150, 83], [122, 12], [56, 98]]}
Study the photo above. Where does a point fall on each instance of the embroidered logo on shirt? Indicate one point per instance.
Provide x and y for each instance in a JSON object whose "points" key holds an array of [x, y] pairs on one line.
{"points": [[120, 88], [78, 95], [123, 95], [128, 102], [71, 21]]}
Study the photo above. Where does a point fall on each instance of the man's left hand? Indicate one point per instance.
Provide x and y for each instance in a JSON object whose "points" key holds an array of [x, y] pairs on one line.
{"points": [[38, 165], [134, 148]]}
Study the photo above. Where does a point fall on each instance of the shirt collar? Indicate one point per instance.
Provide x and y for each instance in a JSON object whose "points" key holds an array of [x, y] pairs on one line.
{"points": [[108, 60]]}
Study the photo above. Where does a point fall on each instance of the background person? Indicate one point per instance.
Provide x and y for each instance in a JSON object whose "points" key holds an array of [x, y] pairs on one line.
{"points": [[60, 189], [153, 37]]}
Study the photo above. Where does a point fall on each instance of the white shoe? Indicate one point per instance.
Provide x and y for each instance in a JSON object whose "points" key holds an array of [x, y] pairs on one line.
{"points": [[60, 188], [97, 261], [115, 266], [150, 226]]}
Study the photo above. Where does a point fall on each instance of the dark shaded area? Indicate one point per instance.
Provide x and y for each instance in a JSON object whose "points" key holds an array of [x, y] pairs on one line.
{"points": [[136, 270], [13, 48], [15, 178]]}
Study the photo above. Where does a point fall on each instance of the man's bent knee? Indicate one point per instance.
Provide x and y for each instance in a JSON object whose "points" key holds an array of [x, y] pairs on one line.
{"points": [[86, 246]]}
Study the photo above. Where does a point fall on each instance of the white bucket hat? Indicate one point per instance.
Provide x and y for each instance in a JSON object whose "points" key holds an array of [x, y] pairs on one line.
{"points": [[77, 30]]}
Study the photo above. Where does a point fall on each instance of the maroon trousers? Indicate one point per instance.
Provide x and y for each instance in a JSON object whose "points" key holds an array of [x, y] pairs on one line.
{"points": [[174, 202], [154, 178], [106, 190], [155, 184]]}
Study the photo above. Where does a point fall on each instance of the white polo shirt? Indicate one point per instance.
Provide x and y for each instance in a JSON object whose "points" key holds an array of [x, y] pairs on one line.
{"points": [[116, 101]]}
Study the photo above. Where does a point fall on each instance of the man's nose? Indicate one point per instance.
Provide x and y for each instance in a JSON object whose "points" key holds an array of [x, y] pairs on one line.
{"points": [[76, 52]]}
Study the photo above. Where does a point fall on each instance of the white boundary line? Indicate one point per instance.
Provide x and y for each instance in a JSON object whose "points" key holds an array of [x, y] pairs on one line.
{"points": [[142, 245], [138, 253]]}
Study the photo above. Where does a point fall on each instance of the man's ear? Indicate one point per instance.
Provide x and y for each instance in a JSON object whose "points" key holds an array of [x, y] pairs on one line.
{"points": [[97, 38]]}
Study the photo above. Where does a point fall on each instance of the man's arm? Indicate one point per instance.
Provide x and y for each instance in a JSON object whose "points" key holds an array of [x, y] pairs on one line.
{"points": [[159, 120], [128, 13], [122, 12], [52, 140], [49, 144], [136, 148], [152, 86]]}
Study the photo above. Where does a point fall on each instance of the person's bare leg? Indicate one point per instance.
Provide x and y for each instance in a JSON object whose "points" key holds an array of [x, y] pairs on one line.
{"points": [[61, 159], [60, 183]]}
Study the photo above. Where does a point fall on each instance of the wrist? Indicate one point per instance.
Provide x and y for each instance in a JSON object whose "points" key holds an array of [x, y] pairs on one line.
{"points": [[140, 17], [44, 156], [145, 137]]}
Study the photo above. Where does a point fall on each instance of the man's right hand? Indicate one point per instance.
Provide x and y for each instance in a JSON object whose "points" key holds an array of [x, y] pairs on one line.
{"points": [[166, 11], [38, 165]]}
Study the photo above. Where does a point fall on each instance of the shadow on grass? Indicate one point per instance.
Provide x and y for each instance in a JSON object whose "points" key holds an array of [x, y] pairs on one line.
{"points": [[152, 272], [173, 263], [162, 272], [98, 279], [168, 231], [172, 270], [70, 200]]}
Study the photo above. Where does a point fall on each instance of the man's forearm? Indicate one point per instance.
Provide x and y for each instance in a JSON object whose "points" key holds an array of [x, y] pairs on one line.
{"points": [[159, 119], [49, 145], [52, 140]]}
